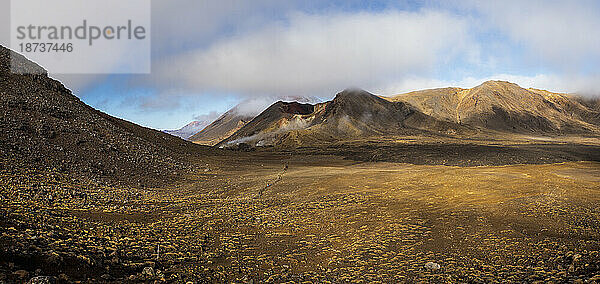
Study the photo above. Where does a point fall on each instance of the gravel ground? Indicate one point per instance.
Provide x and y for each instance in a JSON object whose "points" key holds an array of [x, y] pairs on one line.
{"points": [[325, 220]]}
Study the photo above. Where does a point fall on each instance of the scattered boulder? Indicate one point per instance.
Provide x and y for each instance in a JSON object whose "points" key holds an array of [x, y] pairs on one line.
{"points": [[432, 266], [22, 274], [42, 280], [63, 277], [148, 271]]}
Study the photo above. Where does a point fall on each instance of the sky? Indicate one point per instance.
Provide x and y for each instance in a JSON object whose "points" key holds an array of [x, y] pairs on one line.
{"points": [[209, 55]]}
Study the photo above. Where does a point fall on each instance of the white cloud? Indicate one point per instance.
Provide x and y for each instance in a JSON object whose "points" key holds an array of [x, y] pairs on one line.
{"points": [[207, 117], [564, 33], [180, 24], [255, 105], [321, 54]]}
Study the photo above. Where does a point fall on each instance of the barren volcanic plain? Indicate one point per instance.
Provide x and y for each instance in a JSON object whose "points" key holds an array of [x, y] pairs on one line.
{"points": [[85, 197]]}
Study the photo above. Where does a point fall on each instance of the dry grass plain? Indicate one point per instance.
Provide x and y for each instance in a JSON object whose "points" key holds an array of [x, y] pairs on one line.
{"points": [[250, 219]]}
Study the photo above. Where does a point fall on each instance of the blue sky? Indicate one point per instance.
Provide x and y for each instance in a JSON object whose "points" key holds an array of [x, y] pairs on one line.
{"points": [[209, 55]]}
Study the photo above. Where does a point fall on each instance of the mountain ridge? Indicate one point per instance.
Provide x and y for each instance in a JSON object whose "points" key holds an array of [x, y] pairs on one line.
{"points": [[505, 106], [238, 116], [489, 107], [352, 113]]}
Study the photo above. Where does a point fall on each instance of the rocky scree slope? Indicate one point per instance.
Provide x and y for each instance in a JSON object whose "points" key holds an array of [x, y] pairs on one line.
{"points": [[43, 125]]}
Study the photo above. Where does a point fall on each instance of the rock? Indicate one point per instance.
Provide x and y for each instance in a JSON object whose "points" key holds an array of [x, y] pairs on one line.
{"points": [[148, 271], [42, 280], [54, 258], [149, 264], [63, 277], [432, 266], [22, 274]]}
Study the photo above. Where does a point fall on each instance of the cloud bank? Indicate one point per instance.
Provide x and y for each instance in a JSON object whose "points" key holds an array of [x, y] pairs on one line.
{"points": [[320, 54], [559, 33]]}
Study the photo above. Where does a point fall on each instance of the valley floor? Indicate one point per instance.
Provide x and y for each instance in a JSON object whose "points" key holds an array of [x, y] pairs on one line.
{"points": [[276, 217]]}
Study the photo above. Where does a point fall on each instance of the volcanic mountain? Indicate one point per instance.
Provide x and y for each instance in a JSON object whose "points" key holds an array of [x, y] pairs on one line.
{"points": [[493, 106], [351, 114], [223, 127], [505, 106], [237, 117], [189, 129], [43, 125]]}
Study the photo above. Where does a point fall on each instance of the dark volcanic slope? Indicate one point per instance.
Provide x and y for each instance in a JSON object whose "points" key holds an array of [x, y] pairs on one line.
{"points": [[351, 114], [43, 125]]}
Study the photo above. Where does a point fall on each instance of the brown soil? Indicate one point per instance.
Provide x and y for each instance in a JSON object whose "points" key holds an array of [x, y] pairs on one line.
{"points": [[324, 218]]}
